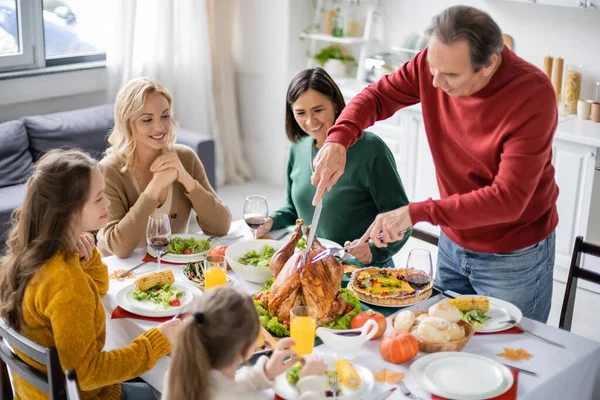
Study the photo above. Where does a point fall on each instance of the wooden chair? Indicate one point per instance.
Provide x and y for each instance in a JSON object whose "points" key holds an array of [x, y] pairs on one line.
{"points": [[72, 385], [424, 236], [52, 383], [576, 272]]}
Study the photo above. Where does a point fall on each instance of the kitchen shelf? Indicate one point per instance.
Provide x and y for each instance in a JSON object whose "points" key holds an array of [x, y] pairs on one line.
{"points": [[333, 39]]}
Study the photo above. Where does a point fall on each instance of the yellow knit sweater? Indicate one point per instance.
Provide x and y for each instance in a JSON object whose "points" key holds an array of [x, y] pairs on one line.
{"points": [[62, 308]]}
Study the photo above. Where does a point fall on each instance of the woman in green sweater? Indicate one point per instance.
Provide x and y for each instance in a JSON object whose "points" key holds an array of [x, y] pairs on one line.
{"points": [[370, 185]]}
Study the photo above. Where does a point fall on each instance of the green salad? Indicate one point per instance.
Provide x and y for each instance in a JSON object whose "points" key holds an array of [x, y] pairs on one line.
{"points": [[293, 375], [187, 246], [257, 259], [475, 317], [164, 295], [281, 328]]}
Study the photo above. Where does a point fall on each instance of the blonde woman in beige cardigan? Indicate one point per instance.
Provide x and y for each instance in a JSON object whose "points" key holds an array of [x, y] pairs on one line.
{"points": [[146, 172]]}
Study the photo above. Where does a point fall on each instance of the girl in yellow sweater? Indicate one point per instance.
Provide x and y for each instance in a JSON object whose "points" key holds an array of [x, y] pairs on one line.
{"points": [[52, 281]]}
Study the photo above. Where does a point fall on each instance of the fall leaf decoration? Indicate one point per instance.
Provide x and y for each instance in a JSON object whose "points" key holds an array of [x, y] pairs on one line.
{"points": [[388, 376], [115, 274], [515, 354]]}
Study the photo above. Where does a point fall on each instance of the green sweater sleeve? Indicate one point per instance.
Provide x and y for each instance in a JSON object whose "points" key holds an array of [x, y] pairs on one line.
{"points": [[388, 194], [286, 215]]}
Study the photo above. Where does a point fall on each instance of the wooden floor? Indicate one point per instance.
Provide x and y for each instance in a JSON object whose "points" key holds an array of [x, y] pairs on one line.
{"points": [[586, 321]]}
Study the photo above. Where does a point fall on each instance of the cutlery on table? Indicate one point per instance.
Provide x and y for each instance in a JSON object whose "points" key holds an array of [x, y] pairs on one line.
{"points": [[333, 250], [386, 394], [124, 274], [520, 370], [407, 392], [333, 383], [543, 339], [180, 311]]}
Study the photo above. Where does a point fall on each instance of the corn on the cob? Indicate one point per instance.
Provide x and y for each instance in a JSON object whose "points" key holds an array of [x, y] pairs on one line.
{"points": [[152, 279], [481, 303], [347, 374]]}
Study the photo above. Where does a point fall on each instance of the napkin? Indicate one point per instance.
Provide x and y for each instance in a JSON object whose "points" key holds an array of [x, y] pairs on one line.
{"points": [[148, 257], [121, 313], [511, 394], [513, 330]]}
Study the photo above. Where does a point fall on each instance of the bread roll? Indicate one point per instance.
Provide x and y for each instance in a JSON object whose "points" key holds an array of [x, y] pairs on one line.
{"points": [[417, 335], [445, 311], [435, 330], [404, 321], [457, 332], [419, 319]]}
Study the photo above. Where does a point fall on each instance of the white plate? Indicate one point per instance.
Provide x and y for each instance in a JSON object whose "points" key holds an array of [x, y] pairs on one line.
{"points": [[146, 308], [181, 258], [422, 298], [461, 376], [500, 312], [283, 388]]}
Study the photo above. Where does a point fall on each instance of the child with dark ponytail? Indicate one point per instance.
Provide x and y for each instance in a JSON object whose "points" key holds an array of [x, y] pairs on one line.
{"points": [[218, 337]]}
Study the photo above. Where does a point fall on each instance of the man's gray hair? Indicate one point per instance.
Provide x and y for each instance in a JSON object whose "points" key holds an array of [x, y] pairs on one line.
{"points": [[475, 26]]}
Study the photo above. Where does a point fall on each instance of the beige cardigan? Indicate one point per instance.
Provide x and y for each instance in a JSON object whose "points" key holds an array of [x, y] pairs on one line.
{"points": [[129, 210]]}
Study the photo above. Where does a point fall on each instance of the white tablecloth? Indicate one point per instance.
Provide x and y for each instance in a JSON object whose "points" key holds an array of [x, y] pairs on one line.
{"points": [[569, 374]]}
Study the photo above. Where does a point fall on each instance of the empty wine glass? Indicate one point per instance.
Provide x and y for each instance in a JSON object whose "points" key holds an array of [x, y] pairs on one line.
{"points": [[256, 212], [419, 270], [158, 234]]}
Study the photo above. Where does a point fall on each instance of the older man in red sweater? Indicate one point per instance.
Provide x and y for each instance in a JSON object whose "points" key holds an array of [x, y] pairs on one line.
{"points": [[490, 118]]}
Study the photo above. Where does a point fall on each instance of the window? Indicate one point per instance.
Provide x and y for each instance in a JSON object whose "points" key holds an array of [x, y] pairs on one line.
{"points": [[39, 33]]}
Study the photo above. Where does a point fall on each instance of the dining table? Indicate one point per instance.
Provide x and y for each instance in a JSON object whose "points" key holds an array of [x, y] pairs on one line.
{"points": [[572, 372]]}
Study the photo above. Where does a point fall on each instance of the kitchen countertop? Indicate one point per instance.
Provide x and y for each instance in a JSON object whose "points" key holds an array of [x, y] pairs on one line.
{"points": [[569, 128]]}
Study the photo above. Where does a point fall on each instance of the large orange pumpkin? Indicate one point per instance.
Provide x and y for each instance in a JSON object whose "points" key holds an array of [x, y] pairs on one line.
{"points": [[398, 347]]}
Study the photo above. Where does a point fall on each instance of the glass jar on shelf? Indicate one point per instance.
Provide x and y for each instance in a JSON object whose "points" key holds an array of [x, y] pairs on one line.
{"points": [[572, 87], [338, 24], [353, 22]]}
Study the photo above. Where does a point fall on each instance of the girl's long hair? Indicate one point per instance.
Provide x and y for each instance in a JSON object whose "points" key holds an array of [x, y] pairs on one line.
{"points": [[56, 194], [224, 325]]}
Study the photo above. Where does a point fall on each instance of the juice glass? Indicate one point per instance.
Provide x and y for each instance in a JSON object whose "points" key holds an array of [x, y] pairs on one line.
{"points": [[303, 324], [215, 272]]}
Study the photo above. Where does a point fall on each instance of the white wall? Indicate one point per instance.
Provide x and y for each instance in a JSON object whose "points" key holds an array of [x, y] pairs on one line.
{"points": [[49, 93], [264, 66], [538, 30]]}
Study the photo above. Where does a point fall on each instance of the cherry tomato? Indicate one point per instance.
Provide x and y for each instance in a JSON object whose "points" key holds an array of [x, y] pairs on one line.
{"points": [[348, 309], [258, 296], [175, 303], [286, 323], [187, 251]]}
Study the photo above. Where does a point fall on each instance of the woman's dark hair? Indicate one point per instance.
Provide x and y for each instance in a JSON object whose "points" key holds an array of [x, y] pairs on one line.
{"points": [[475, 26], [310, 79]]}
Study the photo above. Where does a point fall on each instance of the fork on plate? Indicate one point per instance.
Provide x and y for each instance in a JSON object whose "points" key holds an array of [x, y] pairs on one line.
{"points": [[333, 250], [333, 383], [407, 392]]}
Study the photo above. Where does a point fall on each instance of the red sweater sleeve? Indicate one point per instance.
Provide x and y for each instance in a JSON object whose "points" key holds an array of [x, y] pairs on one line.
{"points": [[378, 101], [525, 155]]}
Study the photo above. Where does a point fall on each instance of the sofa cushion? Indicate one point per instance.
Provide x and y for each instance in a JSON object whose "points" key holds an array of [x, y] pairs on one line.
{"points": [[11, 197], [85, 129], [15, 159]]}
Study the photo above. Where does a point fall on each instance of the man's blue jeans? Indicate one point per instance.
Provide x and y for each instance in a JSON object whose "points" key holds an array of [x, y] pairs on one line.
{"points": [[522, 277]]}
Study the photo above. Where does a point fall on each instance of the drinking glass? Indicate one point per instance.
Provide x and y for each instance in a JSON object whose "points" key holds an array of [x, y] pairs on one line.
{"points": [[158, 234], [215, 272], [256, 212], [303, 325], [419, 270]]}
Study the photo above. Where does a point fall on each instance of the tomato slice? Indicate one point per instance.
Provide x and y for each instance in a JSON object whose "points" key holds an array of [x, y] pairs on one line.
{"points": [[187, 251], [175, 303]]}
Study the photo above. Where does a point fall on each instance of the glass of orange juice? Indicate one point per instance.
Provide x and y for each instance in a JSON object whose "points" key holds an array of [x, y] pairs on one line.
{"points": [[303, 324], [215, 272]]}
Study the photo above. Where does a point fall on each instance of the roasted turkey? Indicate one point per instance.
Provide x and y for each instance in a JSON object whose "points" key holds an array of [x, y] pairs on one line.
{"points": [[299, 282]]}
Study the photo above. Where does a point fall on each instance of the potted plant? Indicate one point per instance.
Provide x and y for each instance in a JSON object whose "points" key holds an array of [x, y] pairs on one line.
{"points": [[334, 60]]}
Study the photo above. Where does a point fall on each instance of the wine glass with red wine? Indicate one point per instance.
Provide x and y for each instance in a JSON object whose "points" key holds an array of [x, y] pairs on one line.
{"points": [[419, 270], [256, 212], [158, 234]]}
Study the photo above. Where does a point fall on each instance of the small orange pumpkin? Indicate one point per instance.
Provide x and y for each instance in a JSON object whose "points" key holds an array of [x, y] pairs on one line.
{"points": [[398, 347]]}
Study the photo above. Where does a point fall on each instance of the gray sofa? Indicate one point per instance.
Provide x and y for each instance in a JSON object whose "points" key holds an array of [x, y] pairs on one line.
{"points": [[24, 141]]}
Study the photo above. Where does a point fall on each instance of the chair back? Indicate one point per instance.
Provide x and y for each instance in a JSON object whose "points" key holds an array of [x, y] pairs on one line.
{"points": [[576, 272], [52, 383], [72, 385]]}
